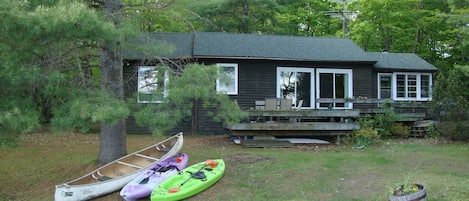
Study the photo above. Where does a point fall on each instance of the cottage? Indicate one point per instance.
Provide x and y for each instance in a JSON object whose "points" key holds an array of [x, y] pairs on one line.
{"points": [[293, 84]]}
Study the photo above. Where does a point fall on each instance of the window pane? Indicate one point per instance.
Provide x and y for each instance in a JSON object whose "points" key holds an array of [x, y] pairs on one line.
{"points": [[325, 87], [385, 86], [303, 88], [340, 88], [147, 79], [296, 86], [412, 86], [287, 84], [401, 89], [227, 81], [425, 86], [151, 85]]}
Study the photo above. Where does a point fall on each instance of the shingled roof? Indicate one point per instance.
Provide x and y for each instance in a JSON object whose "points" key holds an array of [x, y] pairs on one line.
{"points": [[251, 46], [278, 47], [271, 47], [400, 61]]}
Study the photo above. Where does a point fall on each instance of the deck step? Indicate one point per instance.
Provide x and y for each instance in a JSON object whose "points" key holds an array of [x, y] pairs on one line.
{"points": [[418, 131], [419, 128]]}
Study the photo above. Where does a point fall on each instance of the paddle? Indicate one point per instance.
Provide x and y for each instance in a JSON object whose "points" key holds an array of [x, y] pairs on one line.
{"points": [[212, 164], [146, 179]]}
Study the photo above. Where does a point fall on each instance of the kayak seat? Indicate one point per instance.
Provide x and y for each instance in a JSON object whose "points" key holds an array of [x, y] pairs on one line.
{"points": [[199, 175], [165, 169]]}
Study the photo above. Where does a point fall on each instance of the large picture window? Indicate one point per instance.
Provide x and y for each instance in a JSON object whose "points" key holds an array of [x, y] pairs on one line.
{"points": [[334, 84], [296, 84], [151, 86], [405, 86], [412, 86], [228, 79]]}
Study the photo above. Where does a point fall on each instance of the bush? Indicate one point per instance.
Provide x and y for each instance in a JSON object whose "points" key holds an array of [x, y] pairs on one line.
{"points": [[400, 130], [432, 132], [365, 136], [450, 104], [384, 122]]}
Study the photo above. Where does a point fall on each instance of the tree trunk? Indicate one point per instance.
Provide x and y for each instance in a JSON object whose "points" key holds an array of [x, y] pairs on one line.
{"points": [[112, 136]]}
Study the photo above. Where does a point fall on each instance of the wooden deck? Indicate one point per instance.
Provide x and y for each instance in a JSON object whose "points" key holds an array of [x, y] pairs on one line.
{"points": [[298, 122], [296, 126], [274, 120], [407, 111]]}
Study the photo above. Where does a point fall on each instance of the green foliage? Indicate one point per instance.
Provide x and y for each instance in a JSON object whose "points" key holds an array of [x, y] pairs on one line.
{"points": [[305, 17], [401, 130], [366, 122], [158, 16], [450, 104], [365, 136], [235, 16], [84, 110], [381, 125], [308, 18], [195, 85], [45, 48], [16, 121], [407, 185], [384, 122], [432, 132], [422, 27]]}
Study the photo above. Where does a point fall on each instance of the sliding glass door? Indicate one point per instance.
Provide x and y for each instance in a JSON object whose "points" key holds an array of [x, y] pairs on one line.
{"points": [[296, 84], [334, 84]]}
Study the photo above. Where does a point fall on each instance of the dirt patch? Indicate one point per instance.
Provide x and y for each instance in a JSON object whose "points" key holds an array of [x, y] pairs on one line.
{"points": [[242, 158]]}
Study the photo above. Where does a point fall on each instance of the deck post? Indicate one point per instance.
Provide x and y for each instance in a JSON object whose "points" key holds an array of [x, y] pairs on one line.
{"points": [[338, 140]]}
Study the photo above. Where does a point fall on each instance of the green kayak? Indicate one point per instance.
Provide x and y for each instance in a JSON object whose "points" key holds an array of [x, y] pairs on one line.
{"points": [[192, 180]]}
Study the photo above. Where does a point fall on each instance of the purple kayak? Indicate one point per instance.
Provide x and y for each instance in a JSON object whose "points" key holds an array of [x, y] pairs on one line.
{"points": [[142, 185]]}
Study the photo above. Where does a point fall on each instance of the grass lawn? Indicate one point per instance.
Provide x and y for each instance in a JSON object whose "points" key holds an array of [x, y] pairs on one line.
{"points": [[325, 172]]}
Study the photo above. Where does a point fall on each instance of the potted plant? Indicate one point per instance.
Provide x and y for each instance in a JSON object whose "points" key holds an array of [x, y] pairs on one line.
{"points": [[408, 192]]}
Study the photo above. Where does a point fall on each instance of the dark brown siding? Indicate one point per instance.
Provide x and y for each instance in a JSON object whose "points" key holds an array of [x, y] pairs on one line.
{"points": [[256, 81], [364, 85]]}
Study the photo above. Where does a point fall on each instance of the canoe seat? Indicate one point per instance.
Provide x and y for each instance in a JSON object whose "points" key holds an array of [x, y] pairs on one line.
{"points": [[163, 149], [148, 157], [128, 164], [101, 177]]}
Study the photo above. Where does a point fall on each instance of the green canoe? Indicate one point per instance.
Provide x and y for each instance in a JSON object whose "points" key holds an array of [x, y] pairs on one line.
{"points": [[192, 180]]}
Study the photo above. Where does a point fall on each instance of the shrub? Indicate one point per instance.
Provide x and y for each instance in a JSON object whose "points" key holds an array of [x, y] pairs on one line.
{"points": [[432, 132], [450, 104], [400, 130], [384, 122], [365, 136]]}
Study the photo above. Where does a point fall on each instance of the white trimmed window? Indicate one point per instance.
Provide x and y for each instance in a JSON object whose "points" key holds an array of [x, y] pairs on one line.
{"points": [[385, 86], [412, 86], [334, 84], [296, 84], [227, 81], [151, 86]]}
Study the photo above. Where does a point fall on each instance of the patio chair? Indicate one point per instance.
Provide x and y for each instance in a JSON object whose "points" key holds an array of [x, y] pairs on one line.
{"points": [[285, 104]]}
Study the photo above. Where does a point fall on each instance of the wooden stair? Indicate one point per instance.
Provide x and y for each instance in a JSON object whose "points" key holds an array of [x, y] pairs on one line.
{"points": [[419, 128]]}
